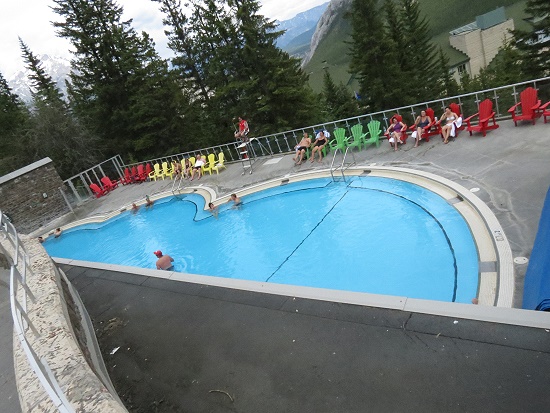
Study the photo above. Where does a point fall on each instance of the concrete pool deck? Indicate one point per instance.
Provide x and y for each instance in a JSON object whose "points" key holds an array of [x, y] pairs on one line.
{"points": [[245, 351]]}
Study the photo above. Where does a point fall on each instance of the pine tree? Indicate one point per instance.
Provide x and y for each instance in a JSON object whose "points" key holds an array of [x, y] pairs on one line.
{"points": [[118, 83], [43, 88], [228, 58], [534, 44], [373, 58], [338, 101], [52, 130], [14, 118]]}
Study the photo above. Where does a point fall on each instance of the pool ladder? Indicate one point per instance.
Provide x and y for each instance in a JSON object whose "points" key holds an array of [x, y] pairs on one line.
{"points": [[179, 186], [342, 166]]}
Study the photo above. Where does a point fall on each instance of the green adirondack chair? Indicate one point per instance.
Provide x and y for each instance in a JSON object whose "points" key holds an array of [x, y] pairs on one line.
{"points": [[339, 141], [374, 133], [358, 137]]}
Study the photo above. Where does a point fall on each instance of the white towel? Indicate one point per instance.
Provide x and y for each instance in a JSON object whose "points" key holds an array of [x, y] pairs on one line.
{"points": [[456, 124]]}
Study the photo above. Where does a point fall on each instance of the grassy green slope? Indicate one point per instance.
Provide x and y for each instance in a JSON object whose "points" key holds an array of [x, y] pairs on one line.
{"points": [[442, 15]]}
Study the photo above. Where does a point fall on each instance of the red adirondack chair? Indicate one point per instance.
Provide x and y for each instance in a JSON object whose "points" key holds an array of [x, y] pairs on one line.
{"points": [[141, 175], [127, 178], [148, 169], [545, 111], [431, 129], [530, 106], [134, 174], [403, 131], [455, 108], [98, 192], [484, 115], [108, 184]]}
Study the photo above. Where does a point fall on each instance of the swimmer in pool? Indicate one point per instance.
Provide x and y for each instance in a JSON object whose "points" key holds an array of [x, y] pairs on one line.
{"points": [[236, 201]]}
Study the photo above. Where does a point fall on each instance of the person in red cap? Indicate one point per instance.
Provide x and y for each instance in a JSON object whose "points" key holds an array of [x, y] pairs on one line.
{"points": [[164, 262]]}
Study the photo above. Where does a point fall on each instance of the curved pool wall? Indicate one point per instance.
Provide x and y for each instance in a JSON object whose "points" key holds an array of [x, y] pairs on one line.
{"points": [[366, 231], [495, 285]]}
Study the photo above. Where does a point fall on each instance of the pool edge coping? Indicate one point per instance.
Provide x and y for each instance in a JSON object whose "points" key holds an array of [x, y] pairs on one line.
{"points": [[485, 313], [496, 288]]}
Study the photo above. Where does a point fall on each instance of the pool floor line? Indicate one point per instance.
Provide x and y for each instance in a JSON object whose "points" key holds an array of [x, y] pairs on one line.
{"points": [[307, 236]]}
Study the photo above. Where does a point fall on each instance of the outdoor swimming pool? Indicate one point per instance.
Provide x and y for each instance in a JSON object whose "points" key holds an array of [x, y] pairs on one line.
{"points": [[370, 234]]}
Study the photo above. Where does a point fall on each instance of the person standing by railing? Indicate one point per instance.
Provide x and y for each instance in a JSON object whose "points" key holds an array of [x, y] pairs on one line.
{"points": [[243, 130]]}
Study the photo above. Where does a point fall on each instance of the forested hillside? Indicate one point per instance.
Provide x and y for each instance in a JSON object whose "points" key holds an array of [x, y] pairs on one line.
{"points": [[441, 15]]}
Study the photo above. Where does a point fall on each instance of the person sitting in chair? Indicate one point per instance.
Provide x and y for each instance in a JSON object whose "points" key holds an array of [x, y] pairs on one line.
{"points": [[421, 122], [198, 167], [320, 142], [449, 118], [301, 149], [243, 130], [394, 132]]}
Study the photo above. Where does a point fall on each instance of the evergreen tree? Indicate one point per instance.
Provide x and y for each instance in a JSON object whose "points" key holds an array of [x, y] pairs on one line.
{"points": [[228, 58], [13, 122], [445, 84], [119, 85], [43, 88], [338, 101], [373, 58], [52, 130], [534, 44]]}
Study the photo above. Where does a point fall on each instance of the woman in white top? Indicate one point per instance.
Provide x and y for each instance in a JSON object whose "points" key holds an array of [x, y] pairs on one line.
{"points": [[448, 117], [199, 163]]}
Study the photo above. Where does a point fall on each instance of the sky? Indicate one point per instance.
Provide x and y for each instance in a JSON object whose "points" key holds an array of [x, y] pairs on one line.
{"points": [[31, 20]]}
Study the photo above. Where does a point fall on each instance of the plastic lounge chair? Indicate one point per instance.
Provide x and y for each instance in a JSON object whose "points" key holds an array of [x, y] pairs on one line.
{"points": [[458, 123], [530, 106], [403, 131], [157, 173], [108, 184], [374, 133], [166, 171], [431, 129], [127, 178], [98, 192], [358, 137], [148, 170], [211, 164], [544, 110], [339, 141], [220, 164], [141, 173], [192, 161], [485, 115]]}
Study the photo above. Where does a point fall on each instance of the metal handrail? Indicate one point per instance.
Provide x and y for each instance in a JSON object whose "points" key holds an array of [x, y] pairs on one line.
{"points": [[284, 142], [21, 320]]}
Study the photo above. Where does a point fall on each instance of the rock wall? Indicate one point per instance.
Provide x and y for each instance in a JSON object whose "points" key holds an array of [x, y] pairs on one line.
{"points": [[31, 197], [56, 342], [333, 10]]}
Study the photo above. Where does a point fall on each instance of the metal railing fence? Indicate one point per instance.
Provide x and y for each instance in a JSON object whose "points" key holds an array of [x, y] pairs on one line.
{"points": [[20, 294], [503, 98]]}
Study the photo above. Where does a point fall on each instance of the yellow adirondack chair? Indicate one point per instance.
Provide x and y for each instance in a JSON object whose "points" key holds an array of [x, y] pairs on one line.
{"points": [[156, 173], [220, 164], [210, 165], [166, 170]]}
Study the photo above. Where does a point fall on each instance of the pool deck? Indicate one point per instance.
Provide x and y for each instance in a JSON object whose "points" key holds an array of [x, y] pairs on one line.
{"points": [[188, 347]]}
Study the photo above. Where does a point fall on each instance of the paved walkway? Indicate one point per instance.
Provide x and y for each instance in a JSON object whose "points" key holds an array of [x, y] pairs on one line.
{"points": [[9, 400], [186, 347]]}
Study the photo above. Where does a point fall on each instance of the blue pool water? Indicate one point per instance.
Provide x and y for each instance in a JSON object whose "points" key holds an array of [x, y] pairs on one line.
{"points": [[370, 234]]}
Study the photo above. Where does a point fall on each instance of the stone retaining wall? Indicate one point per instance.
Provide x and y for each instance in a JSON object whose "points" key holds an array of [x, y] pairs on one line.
{"points": [[31, 197], [57, 343]]}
